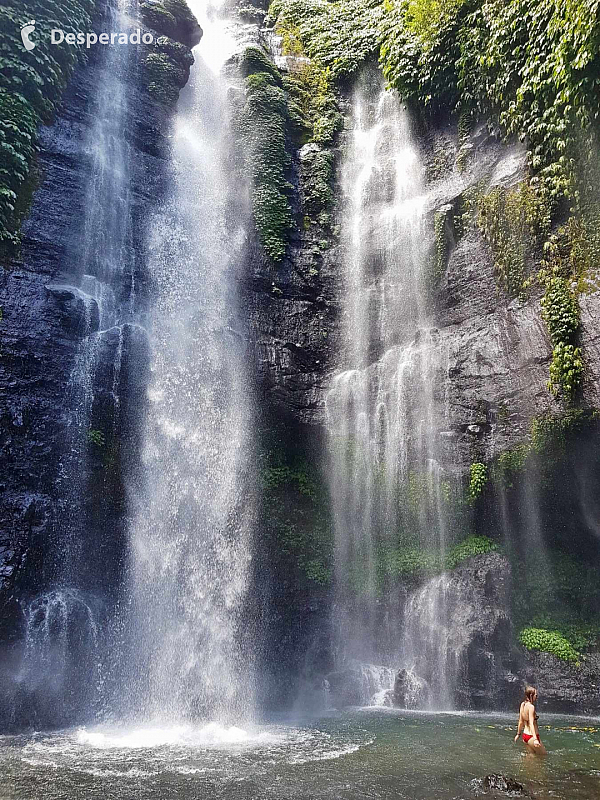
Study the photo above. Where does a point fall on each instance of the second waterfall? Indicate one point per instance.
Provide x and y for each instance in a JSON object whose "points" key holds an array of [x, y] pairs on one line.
{"points": [[190, 536], [385, 407]]}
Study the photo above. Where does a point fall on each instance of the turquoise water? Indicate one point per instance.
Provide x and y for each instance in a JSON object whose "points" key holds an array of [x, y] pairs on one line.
{"points": [[378, 754]]}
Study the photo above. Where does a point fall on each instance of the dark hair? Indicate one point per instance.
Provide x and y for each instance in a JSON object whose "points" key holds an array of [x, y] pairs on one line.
{"points": [[529, 694]]}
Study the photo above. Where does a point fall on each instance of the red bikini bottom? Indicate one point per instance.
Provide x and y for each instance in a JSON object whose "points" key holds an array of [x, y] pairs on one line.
{"points": [[527, 737]]}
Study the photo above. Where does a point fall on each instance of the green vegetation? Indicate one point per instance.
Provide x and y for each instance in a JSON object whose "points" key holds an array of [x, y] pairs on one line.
{"points": [[166, 72], [339, 36], [560, 312], [166, 69], [261, 127], [441, 245], [96, 438], [549, 642], [513, 221], [556, 594], [416, 563], [296, 515], [478, 477], [31, 85], [547, 443], [533, 66]]}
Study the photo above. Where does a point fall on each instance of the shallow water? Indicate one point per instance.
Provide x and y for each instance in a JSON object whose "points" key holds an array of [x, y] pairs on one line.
{"points": [[364, 753]]}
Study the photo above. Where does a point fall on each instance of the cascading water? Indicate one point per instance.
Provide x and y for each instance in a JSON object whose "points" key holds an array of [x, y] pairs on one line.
{"points": [[387, 403], [62, 647], [190, 544]]}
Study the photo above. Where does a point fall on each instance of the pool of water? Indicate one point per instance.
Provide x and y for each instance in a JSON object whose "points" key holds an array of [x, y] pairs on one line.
{"points": [[362, 753]]}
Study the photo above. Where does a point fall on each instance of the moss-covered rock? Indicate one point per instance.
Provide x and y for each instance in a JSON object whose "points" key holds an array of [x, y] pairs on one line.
{"points": [[172, 18], [261, 128]]}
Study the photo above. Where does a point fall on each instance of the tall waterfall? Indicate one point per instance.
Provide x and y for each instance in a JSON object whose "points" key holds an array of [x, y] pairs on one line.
{"points": [[62, 675], [386, 403], [190, 545]]}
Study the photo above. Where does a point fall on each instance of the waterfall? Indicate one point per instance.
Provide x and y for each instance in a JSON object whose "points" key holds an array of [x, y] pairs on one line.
{"points": [[192, 512], [388, 401], [60, 675]]}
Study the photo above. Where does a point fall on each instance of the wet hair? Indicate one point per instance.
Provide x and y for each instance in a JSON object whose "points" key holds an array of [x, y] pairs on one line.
{"points": [[530, 694]]}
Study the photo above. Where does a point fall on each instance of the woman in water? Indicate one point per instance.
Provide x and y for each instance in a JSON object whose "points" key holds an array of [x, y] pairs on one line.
{"points": [[528, 723]]}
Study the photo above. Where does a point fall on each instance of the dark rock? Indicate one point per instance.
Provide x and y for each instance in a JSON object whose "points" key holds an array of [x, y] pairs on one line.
{"points": [[506, 785], [409, 691]]}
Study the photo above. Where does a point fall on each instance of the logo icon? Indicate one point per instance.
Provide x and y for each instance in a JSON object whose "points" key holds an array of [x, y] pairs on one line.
{"points": [[26, 32]]}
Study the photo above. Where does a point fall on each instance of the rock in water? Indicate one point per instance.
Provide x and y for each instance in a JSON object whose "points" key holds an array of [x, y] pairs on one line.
{"points": [[500, 783]]}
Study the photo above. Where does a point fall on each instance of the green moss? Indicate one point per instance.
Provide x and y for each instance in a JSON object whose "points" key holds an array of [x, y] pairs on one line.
{"points": [[509, 464], [549, 642], [164, 77], [157, 17], [317, 185], [261, 127], [547, 442], [469, 547], [274, 477], [255, 61], [181, 54], [441, 225]]}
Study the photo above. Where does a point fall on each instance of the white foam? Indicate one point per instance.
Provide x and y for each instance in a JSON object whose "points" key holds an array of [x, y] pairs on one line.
{"points": [[141, 738], [210, 735]]}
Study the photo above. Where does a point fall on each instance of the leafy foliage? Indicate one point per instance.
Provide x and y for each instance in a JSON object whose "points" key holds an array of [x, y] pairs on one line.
{"points": [[96, 437], [560, 312], [547, 442], [513, 221], [549, 642], [478, 473], [339, 36]]}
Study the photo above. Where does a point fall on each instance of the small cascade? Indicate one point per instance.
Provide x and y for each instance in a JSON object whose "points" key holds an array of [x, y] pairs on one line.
{"points": [[391, 495], [106, 291], [62, 638], [378, 682], [434, 643]]}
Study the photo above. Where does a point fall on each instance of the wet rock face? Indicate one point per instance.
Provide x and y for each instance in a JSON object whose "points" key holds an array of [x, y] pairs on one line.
{"points": [[478, 636], [564, 688]]}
